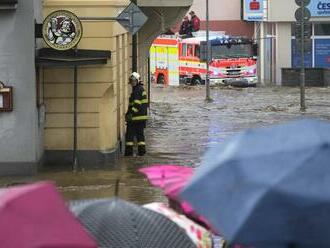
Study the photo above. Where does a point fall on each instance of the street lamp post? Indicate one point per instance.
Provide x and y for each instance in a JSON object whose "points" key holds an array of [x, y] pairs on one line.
{"points": [[208, 49], [302, 71]]}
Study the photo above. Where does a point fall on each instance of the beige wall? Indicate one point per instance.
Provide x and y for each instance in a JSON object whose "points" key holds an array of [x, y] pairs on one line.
{"points": [[283, 45], [219, 10], [225, 15], [102, 90], [281, 10]]}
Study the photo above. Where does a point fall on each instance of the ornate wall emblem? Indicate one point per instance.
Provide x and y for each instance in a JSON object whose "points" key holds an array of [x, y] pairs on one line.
{"points": [[62, 30]]}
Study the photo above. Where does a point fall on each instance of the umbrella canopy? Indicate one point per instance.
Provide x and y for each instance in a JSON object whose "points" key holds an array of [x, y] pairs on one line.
{"points": [[268, 186], [170, 178], [117, 223], [36, 216], [198, 234]]}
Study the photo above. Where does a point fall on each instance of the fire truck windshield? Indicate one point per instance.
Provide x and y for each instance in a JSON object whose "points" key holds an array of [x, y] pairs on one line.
{"points": [[232, 51]]}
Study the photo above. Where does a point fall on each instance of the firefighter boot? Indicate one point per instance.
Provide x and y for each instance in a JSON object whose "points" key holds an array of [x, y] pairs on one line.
{"points": [[141, 149], [128, 151]]}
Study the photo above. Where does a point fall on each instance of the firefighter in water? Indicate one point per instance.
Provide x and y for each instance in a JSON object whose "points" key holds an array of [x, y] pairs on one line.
{"points": [[136, 116]]}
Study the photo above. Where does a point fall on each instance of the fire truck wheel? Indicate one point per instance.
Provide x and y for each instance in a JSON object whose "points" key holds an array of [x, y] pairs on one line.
{"points": [[161, 79], [196, 81]]}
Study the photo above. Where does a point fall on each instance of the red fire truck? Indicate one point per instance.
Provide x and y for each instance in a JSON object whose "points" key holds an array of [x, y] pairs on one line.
{"points": [[174, 60]]}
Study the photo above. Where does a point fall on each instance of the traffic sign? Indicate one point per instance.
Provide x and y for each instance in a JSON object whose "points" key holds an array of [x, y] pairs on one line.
{"points": [[302, 14], [303, 2], [132, 18], [307, 30]]}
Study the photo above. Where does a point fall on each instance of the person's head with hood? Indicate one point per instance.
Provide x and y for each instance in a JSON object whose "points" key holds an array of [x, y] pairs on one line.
{"points": [[192, 13]]}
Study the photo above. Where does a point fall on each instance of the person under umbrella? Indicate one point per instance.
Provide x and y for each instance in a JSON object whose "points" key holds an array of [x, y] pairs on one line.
{"points": [[116, 223], [268, 187], [172, 179], [35, 216]]}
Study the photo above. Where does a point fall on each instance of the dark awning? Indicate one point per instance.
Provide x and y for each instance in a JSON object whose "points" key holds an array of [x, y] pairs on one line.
{"points": [[8, 4], [48, 57]]}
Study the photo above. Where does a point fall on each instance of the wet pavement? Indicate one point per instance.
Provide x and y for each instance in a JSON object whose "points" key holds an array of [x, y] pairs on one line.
{"points": [[182, 127]]}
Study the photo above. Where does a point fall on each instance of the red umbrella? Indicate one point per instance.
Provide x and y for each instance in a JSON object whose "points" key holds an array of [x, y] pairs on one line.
{"points": [[36, 216]]}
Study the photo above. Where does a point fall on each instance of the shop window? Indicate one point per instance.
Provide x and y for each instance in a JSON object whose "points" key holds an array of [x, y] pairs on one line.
{"points": [[322, 29], [184, 50]]}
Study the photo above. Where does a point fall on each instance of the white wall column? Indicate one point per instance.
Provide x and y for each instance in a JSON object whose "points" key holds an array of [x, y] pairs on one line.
{"points": [[283, 49], [262, 53]]}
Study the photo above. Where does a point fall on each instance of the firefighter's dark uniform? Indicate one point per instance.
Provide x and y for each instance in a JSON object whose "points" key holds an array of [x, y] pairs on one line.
{"points": [[136, 118]]}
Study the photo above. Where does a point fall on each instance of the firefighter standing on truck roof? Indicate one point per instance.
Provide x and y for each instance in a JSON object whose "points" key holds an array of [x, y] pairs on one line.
{"points": [[136, 116], [195, 21], [185, 28]]}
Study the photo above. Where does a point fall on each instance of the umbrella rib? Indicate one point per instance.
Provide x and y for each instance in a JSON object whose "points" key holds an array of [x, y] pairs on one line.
{"points": [[138, 241]]}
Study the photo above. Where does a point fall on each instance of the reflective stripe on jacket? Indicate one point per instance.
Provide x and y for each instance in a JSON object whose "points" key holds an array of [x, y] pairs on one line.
{"points": [[138, 104]]}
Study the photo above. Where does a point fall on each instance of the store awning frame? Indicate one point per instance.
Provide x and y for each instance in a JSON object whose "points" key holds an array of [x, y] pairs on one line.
{"points": [[47, 57]]}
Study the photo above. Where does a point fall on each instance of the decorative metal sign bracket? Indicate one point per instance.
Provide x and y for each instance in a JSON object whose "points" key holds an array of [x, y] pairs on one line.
{"points": [[6, 98]]}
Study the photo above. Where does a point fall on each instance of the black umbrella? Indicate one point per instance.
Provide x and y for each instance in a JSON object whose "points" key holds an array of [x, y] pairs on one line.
{"points": [[116, 223]]}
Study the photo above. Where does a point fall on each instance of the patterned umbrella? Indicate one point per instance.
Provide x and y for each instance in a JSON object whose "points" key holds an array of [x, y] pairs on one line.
{"points": [[116, 223], [172, 179]]}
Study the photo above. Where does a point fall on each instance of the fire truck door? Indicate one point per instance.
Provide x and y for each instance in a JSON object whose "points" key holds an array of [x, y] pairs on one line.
{"points": [[162, 63], [173, 66]]}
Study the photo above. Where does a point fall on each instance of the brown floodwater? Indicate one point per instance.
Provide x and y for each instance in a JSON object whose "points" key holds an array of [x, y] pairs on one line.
{"points": [[182, 127]]}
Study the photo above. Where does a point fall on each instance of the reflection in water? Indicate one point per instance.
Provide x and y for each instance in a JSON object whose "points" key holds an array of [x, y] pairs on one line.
{"points": [[182, 127]]}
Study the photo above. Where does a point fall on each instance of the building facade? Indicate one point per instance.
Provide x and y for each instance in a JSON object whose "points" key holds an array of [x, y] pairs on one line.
{"points": [[40, 128], [102, 90], [21, 131], [277, 43], [225, 16]]}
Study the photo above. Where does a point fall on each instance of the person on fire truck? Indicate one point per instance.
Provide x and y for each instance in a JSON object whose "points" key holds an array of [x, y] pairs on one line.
{"points": [[195, 21], [136, 116], [185, 28]]}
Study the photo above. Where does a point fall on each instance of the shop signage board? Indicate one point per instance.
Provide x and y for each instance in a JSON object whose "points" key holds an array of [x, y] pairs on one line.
{"points": [[296, 55], [322, 53], [6, 98], [62, 30], [254, 10], [319, 8]]}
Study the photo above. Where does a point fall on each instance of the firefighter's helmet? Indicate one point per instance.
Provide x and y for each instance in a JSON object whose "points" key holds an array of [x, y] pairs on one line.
{"points": [[135, 76]]}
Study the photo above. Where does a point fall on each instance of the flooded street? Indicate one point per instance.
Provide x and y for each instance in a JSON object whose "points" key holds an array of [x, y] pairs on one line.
{"points": [[182, 127]]}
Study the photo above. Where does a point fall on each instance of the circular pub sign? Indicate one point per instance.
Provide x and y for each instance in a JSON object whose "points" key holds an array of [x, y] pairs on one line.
{"points": [[62, 30]]}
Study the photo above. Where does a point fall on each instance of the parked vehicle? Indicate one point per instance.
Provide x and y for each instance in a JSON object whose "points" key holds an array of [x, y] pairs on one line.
{"points": [[174, 60]]}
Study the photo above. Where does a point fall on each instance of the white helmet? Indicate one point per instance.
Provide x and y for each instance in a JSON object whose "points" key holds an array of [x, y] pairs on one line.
{"points": [[136, 76]]}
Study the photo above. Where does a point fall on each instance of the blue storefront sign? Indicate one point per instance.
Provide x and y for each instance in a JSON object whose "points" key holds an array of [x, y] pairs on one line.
{"points": [[296, 56], [253, 10], [322, 53], [319, 8]]}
